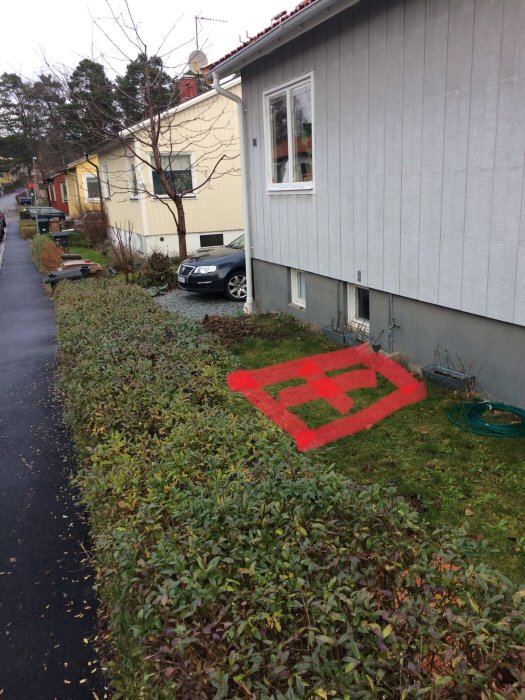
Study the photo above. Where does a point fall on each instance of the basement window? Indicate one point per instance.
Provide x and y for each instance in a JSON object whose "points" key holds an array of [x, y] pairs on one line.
{"points": [[298, 288]]}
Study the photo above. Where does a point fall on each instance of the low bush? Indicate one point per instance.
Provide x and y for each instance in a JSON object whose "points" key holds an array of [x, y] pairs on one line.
{"points": [[27, 228], [94, 226], [78, 239], [45, 253], [157, 270], [231, 566]]}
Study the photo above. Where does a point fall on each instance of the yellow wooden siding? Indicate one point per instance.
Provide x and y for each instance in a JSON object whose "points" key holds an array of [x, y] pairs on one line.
{"points": [[71, 184], [82, 169], [207, 131], [123, 209], [76, 186]]}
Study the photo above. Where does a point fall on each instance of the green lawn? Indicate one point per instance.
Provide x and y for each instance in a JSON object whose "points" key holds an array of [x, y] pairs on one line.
{"points": [[452, 477], [90, 253]]}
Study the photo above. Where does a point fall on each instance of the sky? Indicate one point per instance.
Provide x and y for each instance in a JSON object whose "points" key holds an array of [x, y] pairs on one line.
{"points": [[63, 32]]}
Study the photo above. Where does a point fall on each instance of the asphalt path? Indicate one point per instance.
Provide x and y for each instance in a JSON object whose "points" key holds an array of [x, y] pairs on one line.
{"points": [[47, 604]]}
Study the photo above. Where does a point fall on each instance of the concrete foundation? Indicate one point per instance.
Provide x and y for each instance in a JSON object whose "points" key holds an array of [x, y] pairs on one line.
{"points": [[493, 351]]}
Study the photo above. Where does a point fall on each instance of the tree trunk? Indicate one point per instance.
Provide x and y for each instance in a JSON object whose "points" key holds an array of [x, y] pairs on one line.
{"points": [[181, 229]]}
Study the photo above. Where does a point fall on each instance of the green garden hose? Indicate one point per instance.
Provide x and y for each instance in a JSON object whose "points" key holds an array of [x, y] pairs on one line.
{"points": [[470, 417]]}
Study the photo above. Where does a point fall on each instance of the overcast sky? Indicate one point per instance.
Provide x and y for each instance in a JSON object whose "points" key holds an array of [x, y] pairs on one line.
{"points": [[63, 31]]}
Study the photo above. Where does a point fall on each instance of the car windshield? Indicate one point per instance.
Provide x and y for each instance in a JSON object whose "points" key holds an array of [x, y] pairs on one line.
{"points": [[237, 243]]}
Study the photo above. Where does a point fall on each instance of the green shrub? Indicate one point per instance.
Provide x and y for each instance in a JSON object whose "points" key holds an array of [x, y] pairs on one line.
{"points": [[231, 566], [77, 239], [158, 270]]}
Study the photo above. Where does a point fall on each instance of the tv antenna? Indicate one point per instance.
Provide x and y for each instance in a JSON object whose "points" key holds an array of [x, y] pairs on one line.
{"points": [[204, 19]]}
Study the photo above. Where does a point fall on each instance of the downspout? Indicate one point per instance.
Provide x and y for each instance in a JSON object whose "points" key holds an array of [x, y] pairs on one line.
{"points": [[249, 305]]}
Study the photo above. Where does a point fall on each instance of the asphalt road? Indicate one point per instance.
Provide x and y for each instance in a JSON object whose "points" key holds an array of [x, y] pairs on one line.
{"points": [[47, 603]]}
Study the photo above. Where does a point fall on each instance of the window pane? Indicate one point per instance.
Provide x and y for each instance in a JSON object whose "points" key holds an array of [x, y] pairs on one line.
{"points": [[301, 284], [177, 169], [302, 133], [92, 188], [279, 138], [157, 187], [363, 304]]}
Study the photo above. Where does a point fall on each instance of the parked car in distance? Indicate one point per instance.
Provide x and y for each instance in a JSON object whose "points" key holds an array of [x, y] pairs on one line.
{"points": [[221, 269], [42, 212], [23, 197]]}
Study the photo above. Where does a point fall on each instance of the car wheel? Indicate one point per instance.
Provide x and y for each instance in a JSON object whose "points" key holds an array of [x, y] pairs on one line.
{"points": [[235, 287]]}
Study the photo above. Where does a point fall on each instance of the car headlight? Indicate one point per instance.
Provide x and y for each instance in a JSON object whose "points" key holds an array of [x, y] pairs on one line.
{"points": [[204, 269]]}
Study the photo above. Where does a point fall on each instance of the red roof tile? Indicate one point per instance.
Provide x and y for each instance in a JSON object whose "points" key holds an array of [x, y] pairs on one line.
{"points": [[276, 21]]}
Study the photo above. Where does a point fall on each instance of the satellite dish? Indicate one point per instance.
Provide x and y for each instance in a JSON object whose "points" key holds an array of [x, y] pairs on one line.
{"points": [[197, 60]]}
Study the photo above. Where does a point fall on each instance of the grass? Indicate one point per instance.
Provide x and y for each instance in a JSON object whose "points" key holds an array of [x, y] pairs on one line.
{"points": [[452, 477], [90, 253]]}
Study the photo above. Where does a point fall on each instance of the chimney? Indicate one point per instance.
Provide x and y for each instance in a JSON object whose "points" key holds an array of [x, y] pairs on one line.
{"points": [[187, 87]]}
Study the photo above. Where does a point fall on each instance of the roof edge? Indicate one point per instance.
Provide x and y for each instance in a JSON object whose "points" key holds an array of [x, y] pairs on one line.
{"points": [[302, 20]]}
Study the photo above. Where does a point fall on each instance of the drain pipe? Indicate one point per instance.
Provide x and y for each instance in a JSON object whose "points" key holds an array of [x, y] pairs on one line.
{"points": [[249, 305]]}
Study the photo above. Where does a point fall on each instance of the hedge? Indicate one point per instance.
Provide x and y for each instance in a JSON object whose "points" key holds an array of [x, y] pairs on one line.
{"points": [[231, 566]]}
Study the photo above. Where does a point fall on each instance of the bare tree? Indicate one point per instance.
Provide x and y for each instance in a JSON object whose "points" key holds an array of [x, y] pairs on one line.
{"points": [[171, 156]]}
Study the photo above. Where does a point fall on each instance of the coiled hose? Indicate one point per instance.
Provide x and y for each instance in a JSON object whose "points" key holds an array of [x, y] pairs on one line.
{"points": [[469, 417]]}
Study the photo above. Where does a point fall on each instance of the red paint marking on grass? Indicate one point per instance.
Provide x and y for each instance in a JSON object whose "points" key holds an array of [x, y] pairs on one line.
{"points": [[332, 389]]}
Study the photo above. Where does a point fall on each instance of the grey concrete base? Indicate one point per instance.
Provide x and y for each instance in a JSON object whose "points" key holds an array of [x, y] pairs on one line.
{"points": [[425, 334]]}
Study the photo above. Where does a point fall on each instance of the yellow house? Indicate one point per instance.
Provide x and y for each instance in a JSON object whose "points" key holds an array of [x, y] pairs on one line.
{"points": [[82, 185], [199, 143], [5, 178]]}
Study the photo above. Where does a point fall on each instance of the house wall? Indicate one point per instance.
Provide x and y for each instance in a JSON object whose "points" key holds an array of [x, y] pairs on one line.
{"points": [[75, 178], [73, 193], [419, 139], [491, 350], [208, 131], [55, 193]]}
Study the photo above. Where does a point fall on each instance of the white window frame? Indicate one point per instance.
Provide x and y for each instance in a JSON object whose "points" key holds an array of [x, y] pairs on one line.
{"points": [[178, 154], [63, 192], [353, 318], [86, 177], [286, 88], [295, 287]]}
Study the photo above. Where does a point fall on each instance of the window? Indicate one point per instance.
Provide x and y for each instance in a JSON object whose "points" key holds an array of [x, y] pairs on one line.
{"points": [[133, 183], [107, 190], [211, 239], [289, 136], [177, 169], [359, 306], [298, 283], [91, 187], [63, 192]]}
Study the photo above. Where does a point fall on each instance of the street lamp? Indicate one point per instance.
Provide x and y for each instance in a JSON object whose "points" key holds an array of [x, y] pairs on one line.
{"points": [[35, 193]]}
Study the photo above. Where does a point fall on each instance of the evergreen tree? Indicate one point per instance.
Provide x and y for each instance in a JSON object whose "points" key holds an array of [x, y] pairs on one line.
{"points": [[91, 112], [144, 82]]}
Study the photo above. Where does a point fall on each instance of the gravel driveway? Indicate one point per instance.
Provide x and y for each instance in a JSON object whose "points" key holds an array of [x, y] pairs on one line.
{"points": [[197, 306]]}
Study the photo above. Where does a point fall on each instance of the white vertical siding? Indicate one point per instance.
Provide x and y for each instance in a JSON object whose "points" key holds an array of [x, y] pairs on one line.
{"points": [[419, 127]]}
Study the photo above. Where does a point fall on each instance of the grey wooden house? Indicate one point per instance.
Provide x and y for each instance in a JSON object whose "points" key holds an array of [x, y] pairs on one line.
{"points": [[385, 166]]}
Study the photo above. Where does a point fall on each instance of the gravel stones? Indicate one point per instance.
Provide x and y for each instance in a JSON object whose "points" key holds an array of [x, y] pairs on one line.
{"points": [[197, 306]]}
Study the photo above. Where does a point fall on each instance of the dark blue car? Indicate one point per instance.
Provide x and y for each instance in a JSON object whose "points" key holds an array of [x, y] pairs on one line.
{"points": [[219, 269]]}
